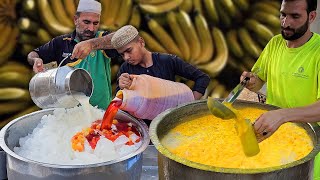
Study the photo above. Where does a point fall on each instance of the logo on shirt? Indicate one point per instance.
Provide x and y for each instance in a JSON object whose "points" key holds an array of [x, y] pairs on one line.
{"points": [[301, 69], [300, 73], [65, 54], [93, 54]]}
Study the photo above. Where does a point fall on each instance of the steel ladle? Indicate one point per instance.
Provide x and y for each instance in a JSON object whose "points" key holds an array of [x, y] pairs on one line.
{"points": [[219, 109]]}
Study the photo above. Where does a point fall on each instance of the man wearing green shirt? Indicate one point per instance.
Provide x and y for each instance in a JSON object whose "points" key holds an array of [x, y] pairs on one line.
{"points": [[97, 63], [290, 64]]}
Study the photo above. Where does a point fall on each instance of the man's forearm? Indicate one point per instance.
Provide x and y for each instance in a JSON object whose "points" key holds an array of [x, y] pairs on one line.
{"points": [[101, 42], [309, 113], [31, 57]]}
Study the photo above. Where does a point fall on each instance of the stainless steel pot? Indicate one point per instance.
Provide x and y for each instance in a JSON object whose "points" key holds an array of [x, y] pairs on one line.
{"points": [[20, 168], [57, 87], [3, 169], [174, 167]]}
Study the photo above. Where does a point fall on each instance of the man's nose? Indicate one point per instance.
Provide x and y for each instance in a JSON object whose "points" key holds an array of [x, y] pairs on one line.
{"points": [[91, 27], [285, 22], [126, 56]]}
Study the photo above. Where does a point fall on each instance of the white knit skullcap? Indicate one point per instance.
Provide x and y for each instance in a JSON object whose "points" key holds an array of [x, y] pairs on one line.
{"points": [[123, 36], [89, 6]]}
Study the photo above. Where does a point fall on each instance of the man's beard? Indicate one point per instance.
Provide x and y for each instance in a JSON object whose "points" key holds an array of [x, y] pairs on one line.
{"points": [[299, 32], [86, 35]]}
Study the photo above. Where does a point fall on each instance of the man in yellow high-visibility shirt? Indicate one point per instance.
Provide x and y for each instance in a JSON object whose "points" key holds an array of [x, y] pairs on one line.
{"points": [[290, 64]]}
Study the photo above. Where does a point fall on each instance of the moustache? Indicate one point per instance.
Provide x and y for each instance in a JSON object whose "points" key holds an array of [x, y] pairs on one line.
{"points": [[287, 29], [89, 32]]}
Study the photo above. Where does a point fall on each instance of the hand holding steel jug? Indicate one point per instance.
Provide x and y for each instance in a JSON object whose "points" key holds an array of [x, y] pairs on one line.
{"points": [[60, 87]]}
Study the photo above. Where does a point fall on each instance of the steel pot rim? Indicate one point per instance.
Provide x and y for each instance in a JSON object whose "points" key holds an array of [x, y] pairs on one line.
{"points": [[164, 151], [8, 151]]}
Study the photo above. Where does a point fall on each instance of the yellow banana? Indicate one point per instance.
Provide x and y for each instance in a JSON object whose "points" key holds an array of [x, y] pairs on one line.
{"points": [[204, 35], [152, 1], [229, 7], [248, 43], [14, 79], [267, 19], [212, 84], [105, 18], [225, 19], [160, 8], [186, 5], [218, 92], [135, 19], [11, 107], [15, 66], [114, 12], [265, 7], [259, 29], [197, 4], [211, 10], [152, 43], [164, 38], [5, 35], [123, 18], [19, 114], [190, 33], [242, 4], [27, 48], [275, 4], [29, 39], [15, 94], [50, 21], [215, 66], [43, 36], [9, 48], [60, 13], [70, 7], [236, 65], [248, 62], [234, 44], [178, 35], [30, 8], [27, 25]]}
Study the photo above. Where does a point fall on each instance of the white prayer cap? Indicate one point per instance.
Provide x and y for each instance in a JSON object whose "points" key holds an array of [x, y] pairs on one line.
{"points": [[123, 36], [89, 6]]}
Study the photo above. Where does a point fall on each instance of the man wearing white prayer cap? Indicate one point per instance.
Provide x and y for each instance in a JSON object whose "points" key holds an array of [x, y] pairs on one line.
{"points": [[80, 51]]}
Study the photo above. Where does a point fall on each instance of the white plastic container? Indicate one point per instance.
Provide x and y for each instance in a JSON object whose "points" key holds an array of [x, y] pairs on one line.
{"points": [[148, 96]]}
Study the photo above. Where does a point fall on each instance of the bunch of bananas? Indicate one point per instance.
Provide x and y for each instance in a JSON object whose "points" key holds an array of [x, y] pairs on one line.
{"points": [[15, 99], [214, 35], [9, 31]]}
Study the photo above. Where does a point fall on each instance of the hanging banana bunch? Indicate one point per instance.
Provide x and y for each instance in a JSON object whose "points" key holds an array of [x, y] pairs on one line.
{"points": [[8, 28]]}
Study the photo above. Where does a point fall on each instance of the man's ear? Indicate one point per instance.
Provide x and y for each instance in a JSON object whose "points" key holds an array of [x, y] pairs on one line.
{"points": [[75, 19], [312, 16], [141, 40]]}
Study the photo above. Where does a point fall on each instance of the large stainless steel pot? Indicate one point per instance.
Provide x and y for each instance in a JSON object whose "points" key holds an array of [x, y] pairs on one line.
{"points": [[174, 167], [3, 169], [20, 168]]}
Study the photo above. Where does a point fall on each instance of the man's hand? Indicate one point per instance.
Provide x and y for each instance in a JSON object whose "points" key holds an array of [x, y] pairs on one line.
{"points": [[125, 81], [268, 123], [82, 50], [38, 65], [254, 84]]}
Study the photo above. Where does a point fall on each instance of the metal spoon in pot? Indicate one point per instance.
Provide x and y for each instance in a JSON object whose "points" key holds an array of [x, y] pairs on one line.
{"points": [[222, 111]]}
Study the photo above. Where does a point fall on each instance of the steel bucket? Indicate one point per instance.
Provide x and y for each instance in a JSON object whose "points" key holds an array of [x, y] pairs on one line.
{"points": [[174, 167], [58, 87], [20, 168]]}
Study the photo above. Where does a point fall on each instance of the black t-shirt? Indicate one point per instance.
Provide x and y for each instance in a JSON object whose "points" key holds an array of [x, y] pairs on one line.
{"points": [[167, 66], [59, 47]]}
